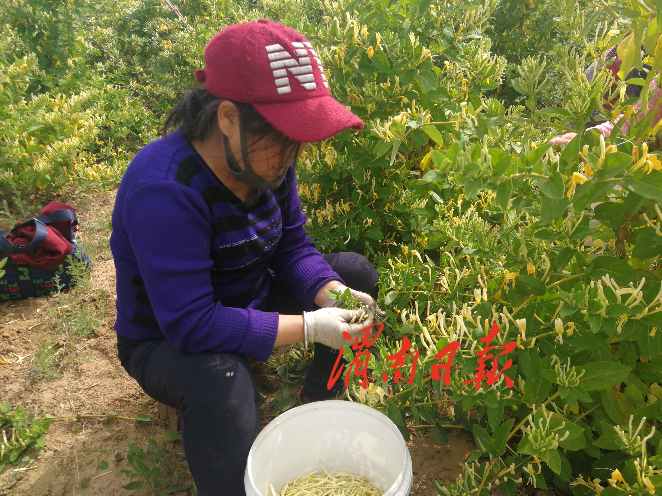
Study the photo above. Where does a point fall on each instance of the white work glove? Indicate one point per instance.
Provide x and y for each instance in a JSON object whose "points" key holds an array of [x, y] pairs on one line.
{"points": [[364, 299], [327, 325]]}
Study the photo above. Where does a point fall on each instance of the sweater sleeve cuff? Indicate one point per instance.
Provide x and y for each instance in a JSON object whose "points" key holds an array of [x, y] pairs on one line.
{"points": [[260, 342]]}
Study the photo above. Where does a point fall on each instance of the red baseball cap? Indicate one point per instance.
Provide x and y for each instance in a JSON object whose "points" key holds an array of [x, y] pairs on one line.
{"points": [[275, 68]]}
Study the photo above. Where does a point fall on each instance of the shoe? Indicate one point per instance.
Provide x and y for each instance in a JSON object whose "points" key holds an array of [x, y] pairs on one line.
{"points": [[304, 399]]}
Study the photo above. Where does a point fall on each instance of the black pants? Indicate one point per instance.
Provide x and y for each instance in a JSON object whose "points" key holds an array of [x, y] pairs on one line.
{"points": [[216, 393]]}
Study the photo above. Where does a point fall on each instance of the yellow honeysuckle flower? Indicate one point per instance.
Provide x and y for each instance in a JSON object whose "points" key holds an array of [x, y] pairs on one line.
{"points": [[652, 163], [649, 485], [371, 52], [510, 278], [611, 33], [530, 269], [616, 477], [577, 178], [588, 170], [622, 321], [424, 55]]}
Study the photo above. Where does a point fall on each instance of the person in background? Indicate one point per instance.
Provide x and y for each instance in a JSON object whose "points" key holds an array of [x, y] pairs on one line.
{"points": [[631, 90], [213, 262]]}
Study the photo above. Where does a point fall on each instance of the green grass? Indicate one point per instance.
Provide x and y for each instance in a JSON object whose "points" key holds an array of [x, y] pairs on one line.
{"points": [[46, 363]]}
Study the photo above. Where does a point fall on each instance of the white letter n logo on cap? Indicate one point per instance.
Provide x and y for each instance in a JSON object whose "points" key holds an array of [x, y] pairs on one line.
{"points": [[299, 65]]}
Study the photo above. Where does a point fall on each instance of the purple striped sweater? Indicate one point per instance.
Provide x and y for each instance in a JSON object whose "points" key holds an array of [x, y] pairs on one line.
{"points": [[192, 261]]}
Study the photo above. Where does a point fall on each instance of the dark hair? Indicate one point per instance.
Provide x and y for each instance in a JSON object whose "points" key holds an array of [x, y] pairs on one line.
{"points": [[196, 116]]}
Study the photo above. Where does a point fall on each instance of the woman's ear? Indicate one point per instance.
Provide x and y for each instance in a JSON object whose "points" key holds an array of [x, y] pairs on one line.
{"points": [[228, 119]]}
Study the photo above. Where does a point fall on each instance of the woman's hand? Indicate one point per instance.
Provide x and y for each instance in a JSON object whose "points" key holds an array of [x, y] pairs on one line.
{"points": [[364, 298], [327, 325], [563, 139]]}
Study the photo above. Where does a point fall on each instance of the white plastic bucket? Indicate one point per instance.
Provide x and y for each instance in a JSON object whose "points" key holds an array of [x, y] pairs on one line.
{"points": [[342, 435]]}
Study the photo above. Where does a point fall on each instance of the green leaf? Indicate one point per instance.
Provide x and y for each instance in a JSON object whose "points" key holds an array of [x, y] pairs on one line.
{"points": [[546, 234], [583, 340], [433, 133], [537, 154], [529, 362], [381, 148], [574, 443], [137, 486], [394, 413], [35, 149], [143, 419], [618, 269], [564, 258], [374, 233], [614, 164], [483, 441], [617, 309], [557, 111], [569, 159], [550, 375], [647, 244], [553, 187], [394, 152], [533, 284], [423, 6], [500, 436], [503, 193], [650, 346], [605, 465], [439, 434], [590, 23], [551, 210], [426, 415], [612, 406], [610, 491], [552, 458], [603, 375], [172, 437], [508, 488], [428, 81], [433, 175], [536, 391], [495, 414], [610, 212], [515, 83], [473, 187], [650, 186]]}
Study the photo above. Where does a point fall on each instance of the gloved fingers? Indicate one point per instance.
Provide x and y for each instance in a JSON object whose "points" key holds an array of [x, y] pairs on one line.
{"points": [[349, 316], [364, 298], [365, 320]]}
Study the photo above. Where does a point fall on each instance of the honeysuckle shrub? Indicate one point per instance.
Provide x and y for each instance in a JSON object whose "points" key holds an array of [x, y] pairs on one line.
{"points": [[455, 195], [475, 220]]}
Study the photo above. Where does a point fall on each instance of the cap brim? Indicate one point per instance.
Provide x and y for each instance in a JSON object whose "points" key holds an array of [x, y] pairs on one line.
{"points": [[310, 120]]}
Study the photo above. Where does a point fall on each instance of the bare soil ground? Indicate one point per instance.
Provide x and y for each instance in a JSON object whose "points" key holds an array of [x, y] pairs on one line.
{"points": [[70, 337]]}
